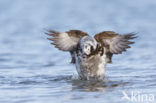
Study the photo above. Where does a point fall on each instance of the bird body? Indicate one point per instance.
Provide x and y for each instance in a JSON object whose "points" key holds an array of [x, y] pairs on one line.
{"points": [[93, 67], [90, 55], [89, 63]]}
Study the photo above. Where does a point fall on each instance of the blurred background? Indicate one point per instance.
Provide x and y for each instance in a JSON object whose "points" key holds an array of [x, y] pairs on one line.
{"points": [[32, 70]]}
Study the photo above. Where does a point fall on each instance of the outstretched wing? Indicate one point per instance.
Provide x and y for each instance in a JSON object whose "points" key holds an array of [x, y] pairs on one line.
{"points": [[113, 42], [116, 43], [66, 41]]}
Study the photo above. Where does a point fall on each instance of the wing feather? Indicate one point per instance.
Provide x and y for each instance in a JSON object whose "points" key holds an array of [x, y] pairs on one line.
{"points": [[114, 43], [66, 41]]}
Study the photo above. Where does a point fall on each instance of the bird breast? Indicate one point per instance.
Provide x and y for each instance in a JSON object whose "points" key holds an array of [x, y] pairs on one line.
{"points": [[92, 67]]}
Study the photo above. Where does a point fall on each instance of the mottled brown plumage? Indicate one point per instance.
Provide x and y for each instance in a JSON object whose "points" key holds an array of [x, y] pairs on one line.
{"points": [[76, 33], [59, 40], [73, 37], [90, 55], [114, 43]]}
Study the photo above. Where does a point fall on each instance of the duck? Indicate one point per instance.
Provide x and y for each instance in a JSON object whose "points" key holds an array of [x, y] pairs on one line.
{"points": [[91, 54]]}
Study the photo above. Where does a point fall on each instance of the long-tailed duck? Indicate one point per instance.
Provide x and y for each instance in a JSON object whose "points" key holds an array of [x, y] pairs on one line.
{"points": [[90, 55]]}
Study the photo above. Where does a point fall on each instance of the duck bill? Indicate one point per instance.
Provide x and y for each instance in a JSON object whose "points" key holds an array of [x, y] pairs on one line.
{"points": [[84, 55]]}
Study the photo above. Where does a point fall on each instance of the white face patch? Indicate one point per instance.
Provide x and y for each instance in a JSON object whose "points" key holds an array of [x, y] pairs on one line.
{"points": [[86, 49], [87, 44]]}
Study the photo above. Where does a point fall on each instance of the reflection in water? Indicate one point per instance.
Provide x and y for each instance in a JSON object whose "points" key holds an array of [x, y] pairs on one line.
{"points": [[31, 70], [94, 86], [88, 85]]}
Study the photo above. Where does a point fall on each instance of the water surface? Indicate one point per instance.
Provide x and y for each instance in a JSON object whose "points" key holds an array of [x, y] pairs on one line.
{"points": [[33, 71]]}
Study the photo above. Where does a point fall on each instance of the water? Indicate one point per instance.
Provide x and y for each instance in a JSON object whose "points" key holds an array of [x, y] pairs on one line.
{"points": [[33, 71]]}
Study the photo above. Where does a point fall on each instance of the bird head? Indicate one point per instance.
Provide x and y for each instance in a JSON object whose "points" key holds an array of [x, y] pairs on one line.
{"points": [[86, 46]]}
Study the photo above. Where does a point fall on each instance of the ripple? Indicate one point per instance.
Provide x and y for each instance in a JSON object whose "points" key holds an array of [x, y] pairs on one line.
{"points": [[31, 70], [27, 82]]}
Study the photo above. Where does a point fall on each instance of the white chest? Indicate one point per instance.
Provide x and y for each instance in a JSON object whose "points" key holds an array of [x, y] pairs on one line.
{"points": [[92, 67], [102, 66]]}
